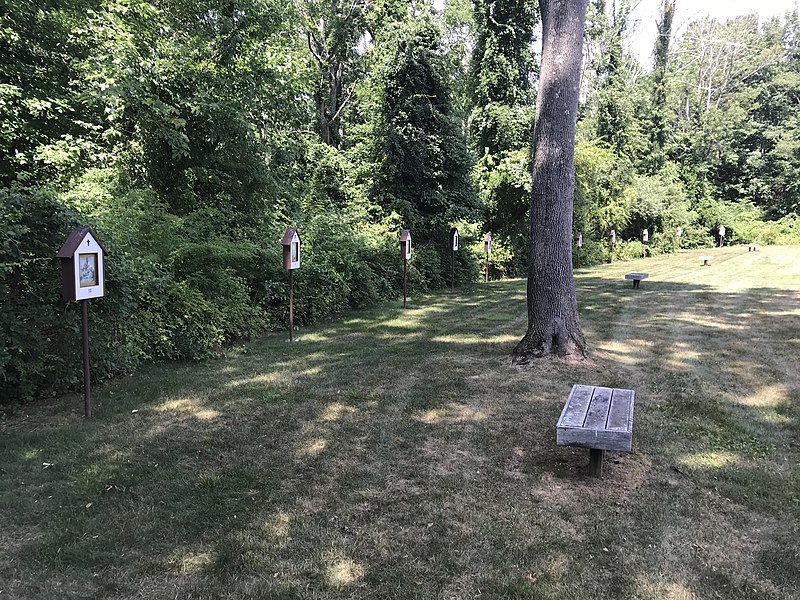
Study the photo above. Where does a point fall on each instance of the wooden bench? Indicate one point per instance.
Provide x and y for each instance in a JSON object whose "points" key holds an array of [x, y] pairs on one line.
{"points": [[751, 248], [598, 418], [637, 277], [706, 260]]}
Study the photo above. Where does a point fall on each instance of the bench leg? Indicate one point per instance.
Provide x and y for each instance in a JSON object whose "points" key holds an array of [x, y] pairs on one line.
{"points": [[635, 284], [596, 462]]}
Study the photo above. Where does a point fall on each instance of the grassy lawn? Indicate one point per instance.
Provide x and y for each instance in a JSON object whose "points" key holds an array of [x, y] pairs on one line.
{"points": [[397, 454]]}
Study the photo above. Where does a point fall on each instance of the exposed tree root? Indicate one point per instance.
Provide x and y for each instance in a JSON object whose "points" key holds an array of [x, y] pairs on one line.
{"points": [[555, 341]]}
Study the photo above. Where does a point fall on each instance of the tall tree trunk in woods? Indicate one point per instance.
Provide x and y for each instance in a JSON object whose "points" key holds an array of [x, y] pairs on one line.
{"points": [[553, 325]]}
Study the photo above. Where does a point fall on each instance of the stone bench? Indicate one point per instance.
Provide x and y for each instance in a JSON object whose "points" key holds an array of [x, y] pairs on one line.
{"points": [[706, 260], [637, 277], [598, 418]]}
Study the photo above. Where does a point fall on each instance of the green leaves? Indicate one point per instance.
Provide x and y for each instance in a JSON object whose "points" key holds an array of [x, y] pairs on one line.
{"points": [[423, 160]]}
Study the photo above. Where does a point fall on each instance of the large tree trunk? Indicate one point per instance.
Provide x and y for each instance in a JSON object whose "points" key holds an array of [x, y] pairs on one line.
{"points": [[553, 325]]}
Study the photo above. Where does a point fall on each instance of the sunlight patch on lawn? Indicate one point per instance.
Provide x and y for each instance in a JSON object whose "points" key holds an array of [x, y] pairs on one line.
{"points": [[772, 395], [342, 571], [627, 352], [683, 356], [276, 377], [335, 411], [265, 378], [278, 526], [308, 336], [397, 337], [407, 323], [452, 413], [312, 448], [710, 460], [193, 562], [773, 418], [474, 339], [32, 454], [185, 562], [655, 588], [708, 321], [189, 405], [559, 565]]}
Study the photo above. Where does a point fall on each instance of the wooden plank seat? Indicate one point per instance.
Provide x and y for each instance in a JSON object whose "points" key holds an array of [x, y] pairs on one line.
{"points": [[598, 418], [637, 277], [706, 259]]}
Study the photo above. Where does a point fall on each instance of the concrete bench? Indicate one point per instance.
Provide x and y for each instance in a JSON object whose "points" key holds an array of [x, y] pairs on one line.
{"points": [[637, 277], [706, 260], [598, 418]]}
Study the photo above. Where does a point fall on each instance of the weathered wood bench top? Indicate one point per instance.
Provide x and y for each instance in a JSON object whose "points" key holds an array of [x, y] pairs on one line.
{"points": [[637, 277], [600, 418]]}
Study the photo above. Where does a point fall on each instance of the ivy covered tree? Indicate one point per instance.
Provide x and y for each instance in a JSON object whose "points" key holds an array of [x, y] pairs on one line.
{"points": [[501, 74], [423, 163], [501, 95], [617, 124], [660, 132]]}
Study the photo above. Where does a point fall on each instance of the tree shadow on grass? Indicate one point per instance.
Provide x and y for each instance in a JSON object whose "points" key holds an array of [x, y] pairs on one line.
{"points": [[396, 454]]}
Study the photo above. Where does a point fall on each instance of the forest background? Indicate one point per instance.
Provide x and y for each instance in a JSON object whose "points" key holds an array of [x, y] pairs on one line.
{"points": [[190, 134]]}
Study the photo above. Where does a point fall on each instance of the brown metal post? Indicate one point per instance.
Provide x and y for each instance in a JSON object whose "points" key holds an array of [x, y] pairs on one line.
{"points": [[87, 386], [452, 269], [405, 280], [291, 305], [596, 462]]}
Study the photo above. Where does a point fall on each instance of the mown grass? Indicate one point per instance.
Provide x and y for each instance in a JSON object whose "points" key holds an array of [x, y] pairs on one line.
{"points": [[396, 454]]}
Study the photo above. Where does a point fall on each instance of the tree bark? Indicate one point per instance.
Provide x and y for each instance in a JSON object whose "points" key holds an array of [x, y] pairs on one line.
{"points": [[553, 324]]}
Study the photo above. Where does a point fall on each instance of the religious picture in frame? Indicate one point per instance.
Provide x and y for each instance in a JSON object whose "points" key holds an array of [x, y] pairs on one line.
{"points": [[87, 269]]}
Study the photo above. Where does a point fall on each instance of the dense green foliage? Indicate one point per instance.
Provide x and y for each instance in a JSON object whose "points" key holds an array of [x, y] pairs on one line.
{"points": [[190, 134], [708, 138], [501, 94]]}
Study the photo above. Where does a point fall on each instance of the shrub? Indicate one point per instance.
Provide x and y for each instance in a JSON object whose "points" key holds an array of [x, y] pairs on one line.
{"points": [[42, 334], [593, 252], [696, 236], [630, 250], [662, 242]]}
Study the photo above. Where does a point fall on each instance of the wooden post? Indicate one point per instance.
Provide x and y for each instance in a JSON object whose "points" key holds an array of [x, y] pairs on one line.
{"points": [[596, 462], [291, 305], [405, 281], [87, 385], [487, 267]]}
